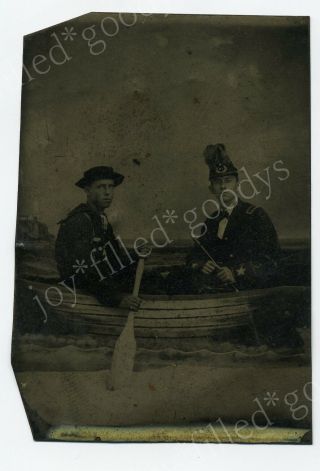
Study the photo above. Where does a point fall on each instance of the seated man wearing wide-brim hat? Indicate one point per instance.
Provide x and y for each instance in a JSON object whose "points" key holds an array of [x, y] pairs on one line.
{"points": [[87, 249]]}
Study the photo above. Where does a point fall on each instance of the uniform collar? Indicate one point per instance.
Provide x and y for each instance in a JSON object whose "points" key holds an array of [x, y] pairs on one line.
{"points": [[229, 210], [94, 210]]}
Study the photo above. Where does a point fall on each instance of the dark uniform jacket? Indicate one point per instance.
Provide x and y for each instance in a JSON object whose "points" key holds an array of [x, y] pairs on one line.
{"points": [[249, 246], [83, 237]]}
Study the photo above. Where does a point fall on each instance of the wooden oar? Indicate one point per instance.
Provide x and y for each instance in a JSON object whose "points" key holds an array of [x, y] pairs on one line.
{"points": [[125, 348], [216, 265]]}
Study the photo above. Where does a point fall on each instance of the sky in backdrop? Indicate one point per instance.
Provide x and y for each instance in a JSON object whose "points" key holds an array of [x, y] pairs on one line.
{"points": [[149, 104]]}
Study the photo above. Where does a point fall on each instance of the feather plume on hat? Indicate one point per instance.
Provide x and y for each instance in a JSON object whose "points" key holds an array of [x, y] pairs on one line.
{"points": [[218, 161], [215, 152]]}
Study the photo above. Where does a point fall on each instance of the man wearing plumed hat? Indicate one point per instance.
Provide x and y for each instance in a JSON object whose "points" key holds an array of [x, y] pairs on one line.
{"points": [[239, 244], [87, 249]]}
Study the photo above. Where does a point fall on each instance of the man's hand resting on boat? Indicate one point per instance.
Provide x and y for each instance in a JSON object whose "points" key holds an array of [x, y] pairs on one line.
{"points": [[224, 273], [130, 302]]}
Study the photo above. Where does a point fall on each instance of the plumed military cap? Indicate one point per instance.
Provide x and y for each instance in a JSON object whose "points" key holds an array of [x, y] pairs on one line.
{"points": [[218, 161]]}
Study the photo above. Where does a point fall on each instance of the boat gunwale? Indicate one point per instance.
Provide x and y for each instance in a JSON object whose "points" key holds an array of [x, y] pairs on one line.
{"points": [[244, 295], [89, 317], [123, 313]]}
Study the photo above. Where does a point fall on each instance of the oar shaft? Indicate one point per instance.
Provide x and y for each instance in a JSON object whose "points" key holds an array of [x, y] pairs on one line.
{"points": [[138, 277], [206, 252], [125, 348]]}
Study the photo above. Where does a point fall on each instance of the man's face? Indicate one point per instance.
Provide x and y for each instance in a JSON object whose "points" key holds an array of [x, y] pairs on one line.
{"points": [[100, 193], [225, 189]]}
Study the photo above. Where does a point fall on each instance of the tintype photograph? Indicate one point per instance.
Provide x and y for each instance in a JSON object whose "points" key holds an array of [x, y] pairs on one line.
{"points": [[162, 280]]}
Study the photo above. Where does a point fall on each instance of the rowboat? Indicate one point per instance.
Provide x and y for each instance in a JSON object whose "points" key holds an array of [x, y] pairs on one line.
{"points": [[167, 319]]}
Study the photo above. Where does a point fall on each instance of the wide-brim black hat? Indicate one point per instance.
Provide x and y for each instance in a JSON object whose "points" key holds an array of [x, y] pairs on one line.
{"points": [[99, 173]]}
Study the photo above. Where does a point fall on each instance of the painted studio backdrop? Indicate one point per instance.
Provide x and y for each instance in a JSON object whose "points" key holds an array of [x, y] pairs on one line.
{"points": [[147, 99]]}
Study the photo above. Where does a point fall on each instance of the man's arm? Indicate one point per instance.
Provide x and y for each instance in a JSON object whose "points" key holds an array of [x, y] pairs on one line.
{"points": [[260, 266], [78, 254], [196, 257]]}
